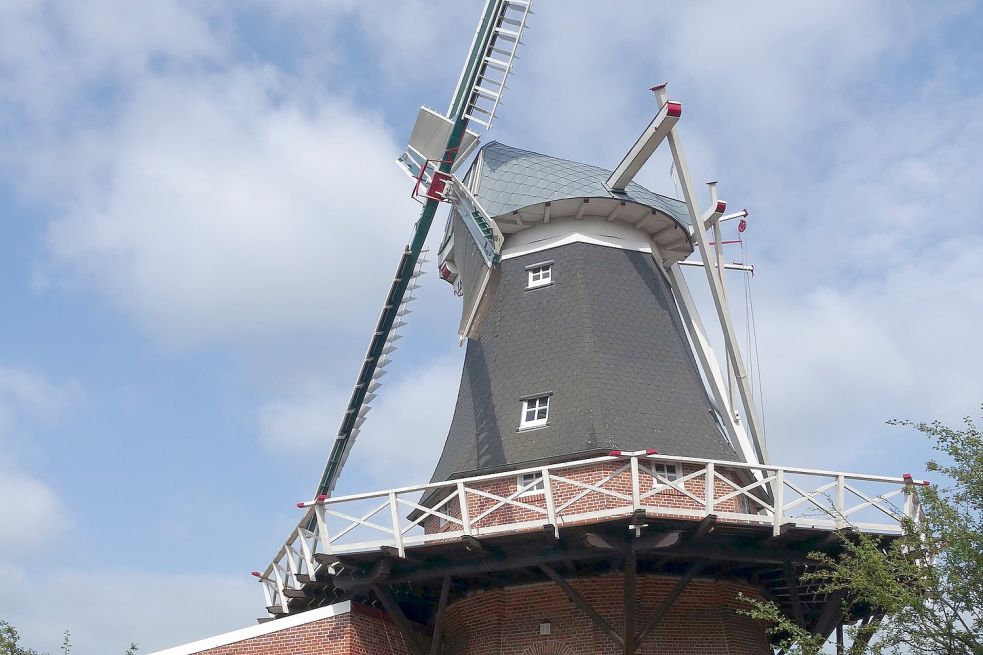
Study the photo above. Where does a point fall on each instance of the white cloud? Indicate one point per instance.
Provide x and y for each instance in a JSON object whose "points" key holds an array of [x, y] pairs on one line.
{"points": [[218, 210], [26, 393], [50, 51], [106, 609], [400, 441], [33, 515]]}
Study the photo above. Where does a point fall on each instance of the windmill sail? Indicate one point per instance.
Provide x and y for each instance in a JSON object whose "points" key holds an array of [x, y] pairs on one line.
{"points": [[475, 99]]}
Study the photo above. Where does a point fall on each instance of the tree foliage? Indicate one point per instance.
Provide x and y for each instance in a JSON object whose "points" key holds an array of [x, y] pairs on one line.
{"points": [[928, 584], [10, 642]]}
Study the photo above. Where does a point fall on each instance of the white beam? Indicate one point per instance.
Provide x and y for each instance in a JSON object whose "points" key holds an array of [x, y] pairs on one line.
{"points": [[729, 217], [709, 364], [617, 210], [583, 208], [646, 144], [719, 301], [747, 268]]}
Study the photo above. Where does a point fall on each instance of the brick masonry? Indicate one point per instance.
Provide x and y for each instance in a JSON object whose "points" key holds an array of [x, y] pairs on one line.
{"points": [[703, 620], [361, 631]]}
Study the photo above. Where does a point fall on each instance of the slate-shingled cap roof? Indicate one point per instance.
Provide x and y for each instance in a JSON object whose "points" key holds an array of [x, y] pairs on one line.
{"points": [[510, 178]]}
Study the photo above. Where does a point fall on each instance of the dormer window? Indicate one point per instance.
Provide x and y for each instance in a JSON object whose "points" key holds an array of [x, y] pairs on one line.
{"points": [[539, 275], [535, 412]]}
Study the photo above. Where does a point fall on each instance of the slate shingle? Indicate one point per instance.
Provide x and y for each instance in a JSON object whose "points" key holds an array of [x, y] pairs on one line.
{"points": [[606, 341]]}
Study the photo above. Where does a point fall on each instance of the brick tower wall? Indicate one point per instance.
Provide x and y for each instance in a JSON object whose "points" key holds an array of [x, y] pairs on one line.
{"points": [[360, 630], [704, 620]]}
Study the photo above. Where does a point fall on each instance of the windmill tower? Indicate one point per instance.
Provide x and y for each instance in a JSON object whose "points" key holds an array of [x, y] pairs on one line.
{"points": [[601, 488]]}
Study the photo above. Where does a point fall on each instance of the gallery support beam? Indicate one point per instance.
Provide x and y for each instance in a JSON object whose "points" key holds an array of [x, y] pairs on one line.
{"points": [[599, 621], [414, 641], [669, 601]]}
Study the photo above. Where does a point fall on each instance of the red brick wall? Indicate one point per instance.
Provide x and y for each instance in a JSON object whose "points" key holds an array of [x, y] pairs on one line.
{"points": [[506, 621], [363, 631], [330, 636], [593, 501]]}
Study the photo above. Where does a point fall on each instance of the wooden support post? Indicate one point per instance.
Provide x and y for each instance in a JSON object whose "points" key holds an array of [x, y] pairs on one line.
{"points": [[584, 606], [412, 639], [859, 644], [831, 616], [601, 542], [473, 546], [705, 527], [438, 627], [669, 601], [631, 565], [792, 581]]}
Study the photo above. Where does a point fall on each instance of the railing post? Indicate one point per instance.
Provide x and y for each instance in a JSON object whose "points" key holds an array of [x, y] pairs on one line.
{"points": [[322, 529], [265, 581], [779, 513], [841, 501], [550, 505], [279, 588], [636, 486], [292, 566], [462, 499], [397, 530], [305, 549], [710, 476]]}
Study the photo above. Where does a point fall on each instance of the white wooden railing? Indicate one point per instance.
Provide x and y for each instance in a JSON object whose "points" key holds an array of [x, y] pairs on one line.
{"points": [[583, 491]]}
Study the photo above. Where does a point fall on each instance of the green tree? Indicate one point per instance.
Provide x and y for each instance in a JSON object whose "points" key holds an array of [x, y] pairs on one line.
{"points": [[928, 584], [10, 641]]}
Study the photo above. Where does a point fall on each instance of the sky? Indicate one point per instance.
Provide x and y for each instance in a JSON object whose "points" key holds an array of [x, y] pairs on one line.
{"points": [[200, 216]]}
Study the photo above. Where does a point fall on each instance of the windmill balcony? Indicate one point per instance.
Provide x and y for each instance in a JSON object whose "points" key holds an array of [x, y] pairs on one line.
{"points": [[347, 541]]}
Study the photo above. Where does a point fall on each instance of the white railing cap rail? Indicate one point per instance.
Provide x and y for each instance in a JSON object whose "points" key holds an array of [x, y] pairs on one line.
{"points": [[613, 456]]}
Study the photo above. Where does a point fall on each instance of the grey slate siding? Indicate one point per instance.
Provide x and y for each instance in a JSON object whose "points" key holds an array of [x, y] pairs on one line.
{"points": [[605, 340], [512, 178]]}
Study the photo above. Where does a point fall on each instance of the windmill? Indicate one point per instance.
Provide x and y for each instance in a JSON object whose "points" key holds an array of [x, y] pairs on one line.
{"points": [[602, 473], [438, 144]]}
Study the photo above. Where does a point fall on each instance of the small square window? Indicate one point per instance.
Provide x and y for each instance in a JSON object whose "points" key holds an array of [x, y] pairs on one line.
{"points": [[663, 473], [535, 412], [531, 483], [540, 275]]}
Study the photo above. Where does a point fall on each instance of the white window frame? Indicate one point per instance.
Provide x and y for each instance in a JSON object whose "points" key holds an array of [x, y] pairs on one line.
{"points": [[535, 405], [670, 471], [528, 478], [539, 275]]}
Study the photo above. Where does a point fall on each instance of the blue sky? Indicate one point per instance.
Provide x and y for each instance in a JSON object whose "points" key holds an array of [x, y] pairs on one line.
{"points": [[200, 216]]}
